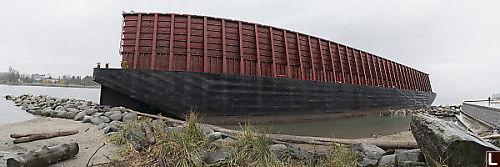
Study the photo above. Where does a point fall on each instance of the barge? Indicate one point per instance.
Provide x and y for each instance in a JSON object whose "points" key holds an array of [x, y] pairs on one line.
{"points": [[173, 63]]}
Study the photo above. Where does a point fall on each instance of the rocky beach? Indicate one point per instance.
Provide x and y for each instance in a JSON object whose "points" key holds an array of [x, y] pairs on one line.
{"points": [[117, 136]]}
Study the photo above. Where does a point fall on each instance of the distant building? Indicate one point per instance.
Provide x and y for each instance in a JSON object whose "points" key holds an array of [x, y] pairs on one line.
{"points": [[38, 77], [496, 96], [43, 78]]}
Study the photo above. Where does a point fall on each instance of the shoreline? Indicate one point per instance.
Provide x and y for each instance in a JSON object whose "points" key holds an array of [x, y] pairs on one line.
{"points": [[95, 123], [52, 85]]}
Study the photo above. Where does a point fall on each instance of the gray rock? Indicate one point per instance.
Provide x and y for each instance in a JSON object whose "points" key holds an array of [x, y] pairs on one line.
{"points": [[90, 111], [97, 120], [60, 108], [70, 115], [108, 114], [61, 114], [116, 117], [136, 134], [321, 152], [158, 122], [87, 119], [97, 114], [217, 157], [387, 161], [36, 112], [118, 112], [439, 139], [214, 136], [107, 130], [53, 113], [105, 119], [206, 130], [115, 126], [368, 154], [410, 155], [79, 116], [296, 152], [72, 110], [46, 112], [280, 150], [101, 126], [130, 117]]}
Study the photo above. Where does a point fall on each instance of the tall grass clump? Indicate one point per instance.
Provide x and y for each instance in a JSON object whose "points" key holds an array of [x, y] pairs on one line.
{"points": [[252, 149], [184, 147], [187, 145]]}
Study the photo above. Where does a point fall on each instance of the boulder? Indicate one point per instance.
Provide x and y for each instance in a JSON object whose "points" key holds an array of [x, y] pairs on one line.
{"points": [[217, 157], [46, 112], [90, 111], [97, 120], [79, 116], [107, 114], [130, 117], [298, 153], [368, 154], [70, 115], [438, 139], [105, 119], [53, 113], [72, 110], [116, 117], [410, 155], [102, 126], [280, 150], [206, 130], [36, 112], [86, 119], [115, 126], [61, 114], [214, 136], [387, 161]]}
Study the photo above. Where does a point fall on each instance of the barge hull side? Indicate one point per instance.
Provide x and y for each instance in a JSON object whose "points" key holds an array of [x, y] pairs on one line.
{"points": [[177, 92]]}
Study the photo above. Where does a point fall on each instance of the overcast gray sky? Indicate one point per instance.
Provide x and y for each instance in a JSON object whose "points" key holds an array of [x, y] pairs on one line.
{"points": [[456, 42]]}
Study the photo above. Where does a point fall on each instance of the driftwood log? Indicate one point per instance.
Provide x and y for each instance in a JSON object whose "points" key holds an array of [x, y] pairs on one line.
{"points": [[45, 156], [495, 136], [385, 144], [23, 138]]}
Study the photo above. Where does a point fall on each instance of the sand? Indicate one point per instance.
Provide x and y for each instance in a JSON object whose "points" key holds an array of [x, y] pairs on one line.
{"points": [[89, 139]]}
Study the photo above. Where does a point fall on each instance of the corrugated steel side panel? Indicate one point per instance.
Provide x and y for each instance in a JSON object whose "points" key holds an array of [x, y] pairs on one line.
{"points": [[163, 41]]}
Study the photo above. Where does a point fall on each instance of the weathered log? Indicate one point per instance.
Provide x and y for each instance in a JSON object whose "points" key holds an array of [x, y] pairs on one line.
{"points": [[45, 156], [495, 136], [150, 138], [385, 144], [19, 135], [33, 137]]}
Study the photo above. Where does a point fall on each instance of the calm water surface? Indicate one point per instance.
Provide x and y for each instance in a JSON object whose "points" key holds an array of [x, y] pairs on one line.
{"points": [[354, 127], [10, 113]]}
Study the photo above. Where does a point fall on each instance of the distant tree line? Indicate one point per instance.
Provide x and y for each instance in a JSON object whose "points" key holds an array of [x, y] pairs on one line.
{"points": [[13, 76]]}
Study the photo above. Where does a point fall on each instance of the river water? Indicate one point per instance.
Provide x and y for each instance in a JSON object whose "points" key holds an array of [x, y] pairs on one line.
{"points": [[10, 113], [353, 127]]}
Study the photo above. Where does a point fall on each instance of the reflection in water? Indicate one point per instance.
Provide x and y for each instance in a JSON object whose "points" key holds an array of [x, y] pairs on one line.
{"points": [[353, 127]]}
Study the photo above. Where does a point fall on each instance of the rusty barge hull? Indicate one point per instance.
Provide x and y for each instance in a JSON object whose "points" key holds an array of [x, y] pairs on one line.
{"points": [[173, 63]]}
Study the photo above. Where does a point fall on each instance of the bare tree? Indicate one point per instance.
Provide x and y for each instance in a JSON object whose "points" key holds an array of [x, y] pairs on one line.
{"points": [[13, 75]]}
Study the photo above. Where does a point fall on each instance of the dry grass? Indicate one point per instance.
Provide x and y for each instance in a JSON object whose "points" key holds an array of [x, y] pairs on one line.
{"points": [[189, 147]]}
